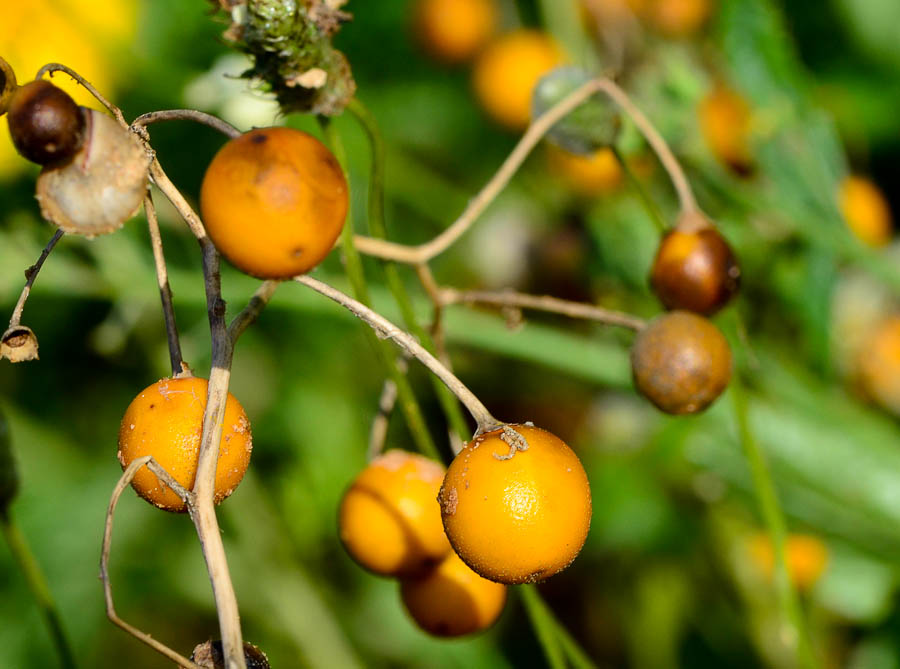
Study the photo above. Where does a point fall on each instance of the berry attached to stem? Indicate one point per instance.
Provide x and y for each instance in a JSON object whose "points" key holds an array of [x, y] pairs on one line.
{"points": [[45, 124]]}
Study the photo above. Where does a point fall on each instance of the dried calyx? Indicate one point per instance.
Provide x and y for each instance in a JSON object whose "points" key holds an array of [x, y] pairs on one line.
{"points": [[209, 654]]}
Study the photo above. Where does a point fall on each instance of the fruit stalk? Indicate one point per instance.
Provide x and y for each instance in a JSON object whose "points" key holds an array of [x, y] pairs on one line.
{"points": [[162, 280]]}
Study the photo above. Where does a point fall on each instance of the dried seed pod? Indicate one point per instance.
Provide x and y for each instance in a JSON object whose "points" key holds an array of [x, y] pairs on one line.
{"points": [[102, 186], [7, 85], [45, 124], [19, 344], [209, 654]]}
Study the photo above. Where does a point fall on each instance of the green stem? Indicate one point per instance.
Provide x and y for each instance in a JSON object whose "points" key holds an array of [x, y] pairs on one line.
{"points": [[578, 658], [767, 497], [545, 626], [378, 228], [649, 205], [406, 399], [37, 584]]}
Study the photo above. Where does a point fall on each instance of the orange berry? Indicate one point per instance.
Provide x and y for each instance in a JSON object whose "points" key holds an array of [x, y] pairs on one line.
{"points": [[879, 365], [678, 18], [806, 556], [274, 201], [507, 71], [866, 210], [453, 31], [166, 421], [452, 600], [596, 174], [516, 520], [695, 270], [681, 362], [725, 123], [389, 519]]}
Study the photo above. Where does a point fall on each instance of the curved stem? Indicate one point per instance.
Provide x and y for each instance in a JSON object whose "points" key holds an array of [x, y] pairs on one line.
{"points": [[767, 497], [251, 312], [543, 303], [203, 118], [378, 226], [30, 276], [50, 68], [538, 128], [124, 482], [162, 280], [657, 143], [37, 584], [387, 330]]}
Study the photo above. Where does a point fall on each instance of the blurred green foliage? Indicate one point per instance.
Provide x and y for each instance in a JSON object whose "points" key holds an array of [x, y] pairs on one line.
{"points": [[662, 580]]}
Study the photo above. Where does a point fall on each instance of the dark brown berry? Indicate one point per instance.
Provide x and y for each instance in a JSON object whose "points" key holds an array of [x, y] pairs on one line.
{"points": [[681, 362], [46, 125], [7, 85], [695, 270], [209, 654]]}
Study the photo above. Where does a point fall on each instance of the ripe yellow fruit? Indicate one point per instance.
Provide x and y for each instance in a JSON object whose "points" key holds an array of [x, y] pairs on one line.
{"points": [[507, 71], [725, 123], [166, 420], [389, 518], [879, 365], [452, 600], [454, 31], [596, 174], [866, 210], [806, 556], [274, 201], [521, 519]]}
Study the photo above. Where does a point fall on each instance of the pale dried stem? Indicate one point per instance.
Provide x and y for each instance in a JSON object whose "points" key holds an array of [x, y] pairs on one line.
{"points": [[173, 195], [422, 253], [387, 400], [124, 482], [30, 275], [50, 68], [539, 127], [508, 298], [203, 118], [162, 280], [387, 330], [657, 143]]}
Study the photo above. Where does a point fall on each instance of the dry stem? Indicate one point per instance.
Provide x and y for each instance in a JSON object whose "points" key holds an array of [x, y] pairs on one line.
{"points": [[123, 483], [30, 275], [387, 330], [203, 118], [425, 252], [50, 68], [386, 402], [162, 279], [546, 303]]}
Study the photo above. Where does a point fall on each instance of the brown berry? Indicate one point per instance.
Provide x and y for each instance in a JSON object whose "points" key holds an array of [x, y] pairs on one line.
{"points": [[7, 85], [46, 125], [681, 362], [695, 270]]}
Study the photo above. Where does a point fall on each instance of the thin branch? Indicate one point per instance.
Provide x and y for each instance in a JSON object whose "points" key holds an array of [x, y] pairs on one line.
{"points": [[173, 195], [37, 584], [538, 128], [124, 482], [657, 143], [50, 68], [543, 303], [251, 312], [30, 275], [162, 280], [648, 204], [203, 118], [386, 402], [387, 330]]}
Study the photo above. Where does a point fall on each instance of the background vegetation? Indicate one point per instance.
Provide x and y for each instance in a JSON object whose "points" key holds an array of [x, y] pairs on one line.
{"points": [[668, 576]]}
